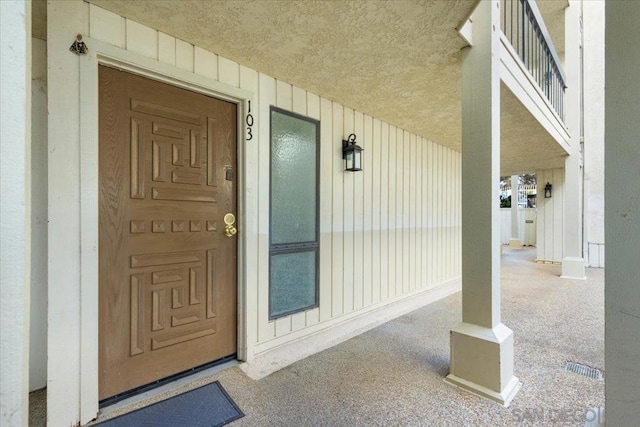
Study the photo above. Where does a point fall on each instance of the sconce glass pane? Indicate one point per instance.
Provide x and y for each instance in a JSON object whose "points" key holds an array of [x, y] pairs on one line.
{"points": [[358, 160], [293, 179], [293, 282]]}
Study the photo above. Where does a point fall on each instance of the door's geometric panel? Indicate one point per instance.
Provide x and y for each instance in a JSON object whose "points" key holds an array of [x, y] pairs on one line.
{"points": [[163, 129], [166, 112], [182, 177], [164, 258], [211, 282], [177, 226], [157, 226], [179, 194], [158, 161], [137, 160], [177, 295], [137, 314], [157, 310], [183, 320], [158, 343], [195, 149], [164, 290], [137, 226], [193, 287], [195, 226], [211, 153], [167, 276], [212, 226], [178, 155]]}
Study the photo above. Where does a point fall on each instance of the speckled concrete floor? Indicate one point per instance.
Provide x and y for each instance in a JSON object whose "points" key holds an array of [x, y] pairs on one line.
{"points": [[393, 374]]}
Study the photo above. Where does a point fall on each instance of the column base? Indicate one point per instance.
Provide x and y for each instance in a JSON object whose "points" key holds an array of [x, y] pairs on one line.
{"points": [[482, 362], [573, 268], [515, 244], [504, 398]]}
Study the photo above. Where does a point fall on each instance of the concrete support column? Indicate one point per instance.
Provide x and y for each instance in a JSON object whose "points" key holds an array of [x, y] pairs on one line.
{"points": [[15, 237], [514, 241], [573, 261], [481, 346], [622, 216]]}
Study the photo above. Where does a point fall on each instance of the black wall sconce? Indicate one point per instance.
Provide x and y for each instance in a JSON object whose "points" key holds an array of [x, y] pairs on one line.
{"points": [[547, 190], [352, 154]]}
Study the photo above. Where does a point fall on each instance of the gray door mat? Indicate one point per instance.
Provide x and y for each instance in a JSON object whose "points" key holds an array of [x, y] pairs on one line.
{"points": [[206, 406]]}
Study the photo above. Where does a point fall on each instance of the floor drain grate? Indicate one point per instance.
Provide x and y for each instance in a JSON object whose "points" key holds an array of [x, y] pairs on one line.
{"points": [[585, 370]]}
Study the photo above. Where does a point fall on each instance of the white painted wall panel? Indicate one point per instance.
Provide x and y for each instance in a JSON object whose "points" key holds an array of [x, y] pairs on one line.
{"points": [[38, 322], [393, 211], [367, 214], [15, 177], [376, 214], [349, 215], [327, 159], [206, 63], [338, 218], [166, 47], [384, 211], [141, 39], [107, 27], [184, 55], [549, 234], [358, 222]]}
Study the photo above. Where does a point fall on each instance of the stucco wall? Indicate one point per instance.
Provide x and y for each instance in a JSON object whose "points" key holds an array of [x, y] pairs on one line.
{"points": [[15, 87]]}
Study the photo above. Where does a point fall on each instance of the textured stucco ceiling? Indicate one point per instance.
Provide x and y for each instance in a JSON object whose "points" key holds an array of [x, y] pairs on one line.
{"points": [[399, 61]]}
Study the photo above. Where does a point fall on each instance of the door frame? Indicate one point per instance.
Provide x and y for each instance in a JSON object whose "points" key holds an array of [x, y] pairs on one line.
{"points": [[101, 53]]}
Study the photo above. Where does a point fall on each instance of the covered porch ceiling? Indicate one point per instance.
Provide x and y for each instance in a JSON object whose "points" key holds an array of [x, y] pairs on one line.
{"points": [[399, 61]]}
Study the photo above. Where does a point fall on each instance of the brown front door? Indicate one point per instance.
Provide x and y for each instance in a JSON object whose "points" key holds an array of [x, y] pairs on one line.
{"points": [[167, 270]]}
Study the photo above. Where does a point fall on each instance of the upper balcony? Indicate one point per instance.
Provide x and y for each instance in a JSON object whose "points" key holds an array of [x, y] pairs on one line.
{"points": [[532, 70], [523, 26]]}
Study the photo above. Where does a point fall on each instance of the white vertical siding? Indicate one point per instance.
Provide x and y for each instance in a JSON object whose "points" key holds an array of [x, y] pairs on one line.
{"points": [[526, 232], [549, 237], [391, 230]]}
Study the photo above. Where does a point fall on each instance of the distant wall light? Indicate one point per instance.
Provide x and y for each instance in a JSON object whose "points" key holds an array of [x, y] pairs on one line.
{"points": [[547, 190], [352, 154]]}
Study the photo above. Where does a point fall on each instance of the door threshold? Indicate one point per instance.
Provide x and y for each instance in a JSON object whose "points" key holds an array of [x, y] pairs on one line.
{"points": [[134, 399]]}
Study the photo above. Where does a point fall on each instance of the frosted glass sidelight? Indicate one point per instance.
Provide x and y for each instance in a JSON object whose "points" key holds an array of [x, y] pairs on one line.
{"points": [[293, 179], [293, 282]]}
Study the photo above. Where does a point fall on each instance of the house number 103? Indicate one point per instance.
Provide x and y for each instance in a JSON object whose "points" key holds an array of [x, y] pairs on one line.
{"points": [[249, 122]]}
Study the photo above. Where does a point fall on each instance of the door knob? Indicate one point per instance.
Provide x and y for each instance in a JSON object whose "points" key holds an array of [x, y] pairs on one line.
{"points": [[229, 229]]}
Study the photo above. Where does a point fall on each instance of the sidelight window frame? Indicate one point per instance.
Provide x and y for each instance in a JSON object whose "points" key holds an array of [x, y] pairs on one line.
{"points": [[295, 247]]}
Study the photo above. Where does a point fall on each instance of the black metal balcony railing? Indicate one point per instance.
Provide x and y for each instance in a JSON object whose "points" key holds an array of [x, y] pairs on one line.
{"points": [[524, 27]]}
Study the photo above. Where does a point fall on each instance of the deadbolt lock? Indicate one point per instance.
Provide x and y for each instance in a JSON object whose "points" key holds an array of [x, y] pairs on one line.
{"points": [[230, 230]]}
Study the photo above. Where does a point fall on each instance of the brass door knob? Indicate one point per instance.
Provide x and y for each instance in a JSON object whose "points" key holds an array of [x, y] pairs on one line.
{"points": [[230, 230]]}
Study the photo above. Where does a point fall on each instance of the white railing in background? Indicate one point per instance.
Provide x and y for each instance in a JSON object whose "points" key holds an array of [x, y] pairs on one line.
{"points": [[526, 195]]}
